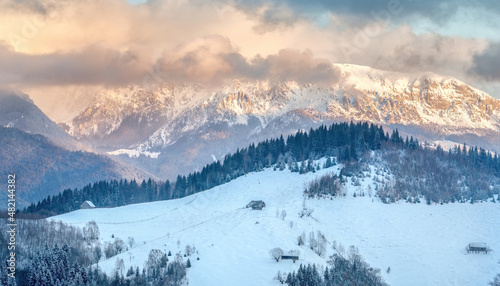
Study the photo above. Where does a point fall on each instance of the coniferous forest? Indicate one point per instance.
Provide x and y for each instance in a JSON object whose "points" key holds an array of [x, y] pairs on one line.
{"points": [[419, 171], [54, 253], [347, 141], [343, 271]]}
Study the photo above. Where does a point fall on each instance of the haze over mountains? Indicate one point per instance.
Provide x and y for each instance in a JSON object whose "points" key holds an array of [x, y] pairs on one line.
{"points": [[17, 110], [46, 158]]}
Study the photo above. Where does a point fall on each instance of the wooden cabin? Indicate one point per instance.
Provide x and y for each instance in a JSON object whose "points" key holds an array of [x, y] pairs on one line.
{"points": [[87, 205], [256, 205], [290, 257], [478, 247]]}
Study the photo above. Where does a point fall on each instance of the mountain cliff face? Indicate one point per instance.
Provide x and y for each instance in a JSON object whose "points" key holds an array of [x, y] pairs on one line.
{"points": [[175, 129], [122, 117]]}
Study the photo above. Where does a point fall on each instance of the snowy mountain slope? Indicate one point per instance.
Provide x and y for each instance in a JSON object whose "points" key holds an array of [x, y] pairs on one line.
{"points": [[189, 124], [362, 94], [422, 244]]}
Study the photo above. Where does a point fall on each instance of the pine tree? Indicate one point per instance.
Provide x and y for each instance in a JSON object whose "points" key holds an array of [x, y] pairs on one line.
{"points": [[377, 142], [328, 163]]}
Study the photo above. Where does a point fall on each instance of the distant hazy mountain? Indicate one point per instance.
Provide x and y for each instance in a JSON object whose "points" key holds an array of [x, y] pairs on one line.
{"points": [[18, 110], [43, 168], [178, 128], [44, 157]]}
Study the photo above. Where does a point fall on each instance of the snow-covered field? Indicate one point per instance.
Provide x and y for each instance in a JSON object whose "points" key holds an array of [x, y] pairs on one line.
{"points": [[422, 244]]}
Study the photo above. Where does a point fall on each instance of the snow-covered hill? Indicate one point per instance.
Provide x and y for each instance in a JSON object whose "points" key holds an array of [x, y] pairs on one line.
{"points": [[190, 124], [422, 244]]}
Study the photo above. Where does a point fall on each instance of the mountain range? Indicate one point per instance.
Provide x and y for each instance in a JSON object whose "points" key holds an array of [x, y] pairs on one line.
{"points": [[172, 129]]}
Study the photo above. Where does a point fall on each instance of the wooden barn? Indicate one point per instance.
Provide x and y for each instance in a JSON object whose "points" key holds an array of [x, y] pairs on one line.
{"points": [[290, 257], [87, 205], [478, 247], [256, 205]]}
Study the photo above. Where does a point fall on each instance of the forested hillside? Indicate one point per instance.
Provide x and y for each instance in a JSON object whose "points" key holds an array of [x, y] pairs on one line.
{"points": [[417, 172], [43, 168], [54, 253]]}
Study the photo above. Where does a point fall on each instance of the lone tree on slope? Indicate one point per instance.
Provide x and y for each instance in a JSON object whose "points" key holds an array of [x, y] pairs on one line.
{"points": [[276, 253]]}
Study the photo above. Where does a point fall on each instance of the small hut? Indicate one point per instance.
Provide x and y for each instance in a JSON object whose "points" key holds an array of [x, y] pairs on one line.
{"points": [[256, 205], [290, 257], [478, 247], [87, 205]]}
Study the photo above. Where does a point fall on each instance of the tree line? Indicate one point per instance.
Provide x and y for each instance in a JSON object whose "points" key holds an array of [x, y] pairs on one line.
{"points": [[344, 140], [54, 253], [346, 270], [348, 142], [462, 174]]}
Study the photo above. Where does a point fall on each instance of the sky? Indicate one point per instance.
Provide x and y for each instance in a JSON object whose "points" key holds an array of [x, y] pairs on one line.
{"points": [[55, 48]]}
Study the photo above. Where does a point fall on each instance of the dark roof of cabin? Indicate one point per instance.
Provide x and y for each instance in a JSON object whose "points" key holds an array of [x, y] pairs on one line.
{"points": [[478, 244], [89, 203], [256, 204]]}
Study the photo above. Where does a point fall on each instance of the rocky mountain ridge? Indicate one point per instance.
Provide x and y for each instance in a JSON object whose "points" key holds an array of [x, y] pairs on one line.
{"points": [[209, 122]]}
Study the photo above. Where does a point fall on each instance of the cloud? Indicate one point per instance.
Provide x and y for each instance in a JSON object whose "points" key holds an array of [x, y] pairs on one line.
{"points": [[95, 42], [486, 64], [208, 60], [92, 65], [35, 6], [267, 12], [212, 59], [402, 50]]}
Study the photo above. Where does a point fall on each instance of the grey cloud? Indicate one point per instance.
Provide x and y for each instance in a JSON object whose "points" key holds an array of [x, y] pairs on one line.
{"points": [[42, 7], [91, 65], [429, 52], [203, 62], [397, 11], [209, 60], [487, 63], [400, 49], [302, 67]]}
